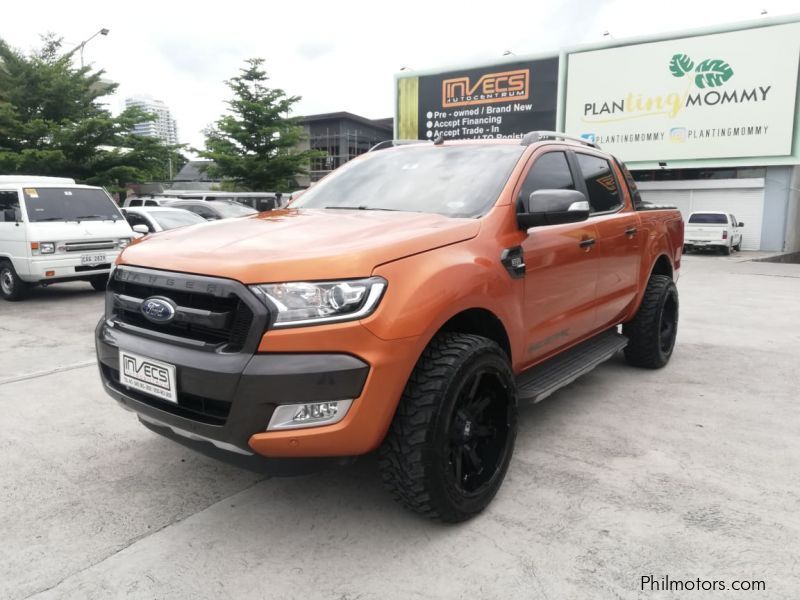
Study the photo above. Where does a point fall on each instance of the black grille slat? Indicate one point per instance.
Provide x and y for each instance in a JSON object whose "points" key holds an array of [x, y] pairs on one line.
{"points": [[226, 325]]}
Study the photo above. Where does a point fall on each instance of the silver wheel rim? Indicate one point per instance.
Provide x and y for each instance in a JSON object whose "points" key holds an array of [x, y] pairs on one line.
{"points": [[7, 282]]}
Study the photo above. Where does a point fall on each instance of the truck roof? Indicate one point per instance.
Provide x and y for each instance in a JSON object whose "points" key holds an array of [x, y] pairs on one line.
{"points": [[35, 179]]}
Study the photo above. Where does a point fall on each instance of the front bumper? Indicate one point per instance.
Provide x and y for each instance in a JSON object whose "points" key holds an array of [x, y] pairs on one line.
{"points": [[226, 399], [66, 268]]}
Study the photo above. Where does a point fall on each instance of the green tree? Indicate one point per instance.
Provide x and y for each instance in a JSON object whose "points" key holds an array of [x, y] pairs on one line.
{"points": [[255, 146], [52, 122]]}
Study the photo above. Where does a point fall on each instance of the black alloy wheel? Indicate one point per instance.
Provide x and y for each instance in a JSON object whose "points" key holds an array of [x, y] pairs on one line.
{"points": [[452, 437], [478, 432]]}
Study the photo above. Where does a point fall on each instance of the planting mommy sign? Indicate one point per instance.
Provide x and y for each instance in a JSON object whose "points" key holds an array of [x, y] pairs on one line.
{"points": [[722, 95]]}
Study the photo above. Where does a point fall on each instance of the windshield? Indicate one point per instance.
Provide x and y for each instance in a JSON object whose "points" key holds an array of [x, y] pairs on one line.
{"points": [[234, 210], [69, 204], [455, 181], [708, 218], [170, 219]]}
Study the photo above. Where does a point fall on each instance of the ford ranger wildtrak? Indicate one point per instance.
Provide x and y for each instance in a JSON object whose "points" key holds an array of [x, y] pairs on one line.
{"points": [[407, 303]]}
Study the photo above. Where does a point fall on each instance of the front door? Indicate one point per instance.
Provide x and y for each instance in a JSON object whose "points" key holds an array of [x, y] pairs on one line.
{"points": [[560, 269], [12, 231]]}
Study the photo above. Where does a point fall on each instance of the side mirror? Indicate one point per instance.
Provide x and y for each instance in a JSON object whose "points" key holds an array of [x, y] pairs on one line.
{"points": [[10, 215], [553, 207], [741, 224], [143, 229]]}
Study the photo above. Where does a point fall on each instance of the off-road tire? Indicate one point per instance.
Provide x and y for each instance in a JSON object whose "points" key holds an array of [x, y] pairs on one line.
{"points": [[650, 346], [738, 247], [726, 250], [11, 286], [99, 282], [415, 458]]}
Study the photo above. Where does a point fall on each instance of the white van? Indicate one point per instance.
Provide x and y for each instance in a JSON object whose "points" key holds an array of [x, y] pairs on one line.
{"points": [[53, 230]]}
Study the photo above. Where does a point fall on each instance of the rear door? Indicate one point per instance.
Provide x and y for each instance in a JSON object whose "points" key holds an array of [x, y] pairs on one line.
{"points": [[560, 260], [618, 240]]}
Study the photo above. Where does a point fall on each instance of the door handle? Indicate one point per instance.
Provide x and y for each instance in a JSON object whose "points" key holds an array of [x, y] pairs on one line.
{"points": [[587, 243], [631, 231]]}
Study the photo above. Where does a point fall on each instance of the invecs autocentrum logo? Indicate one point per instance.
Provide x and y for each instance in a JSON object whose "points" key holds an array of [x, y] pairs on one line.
{"points": [[492, 87]]}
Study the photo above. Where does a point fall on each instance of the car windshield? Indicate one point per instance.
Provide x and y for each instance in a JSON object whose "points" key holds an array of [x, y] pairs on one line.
{"points": [[708, 218], [170, 219], [69, 204], [228, 210], [455, 181]]}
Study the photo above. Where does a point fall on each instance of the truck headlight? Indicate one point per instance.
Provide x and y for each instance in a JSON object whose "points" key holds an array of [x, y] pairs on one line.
{"points": [[47, 247], [123, 243], [314, 302]]}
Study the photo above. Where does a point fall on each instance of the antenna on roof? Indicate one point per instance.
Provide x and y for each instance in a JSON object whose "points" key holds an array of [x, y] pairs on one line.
{"points": [[438, 140]]}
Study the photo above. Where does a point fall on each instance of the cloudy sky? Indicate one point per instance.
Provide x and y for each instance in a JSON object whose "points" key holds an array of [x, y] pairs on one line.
{"points": [[336, 55]]}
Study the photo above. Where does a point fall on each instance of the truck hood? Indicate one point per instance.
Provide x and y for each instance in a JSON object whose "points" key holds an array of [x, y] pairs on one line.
{"points": [[298, 244]]}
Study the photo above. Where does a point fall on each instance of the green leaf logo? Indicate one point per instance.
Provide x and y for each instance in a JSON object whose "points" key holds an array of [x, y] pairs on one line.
{"points": [[712, 73], [680, 65]]}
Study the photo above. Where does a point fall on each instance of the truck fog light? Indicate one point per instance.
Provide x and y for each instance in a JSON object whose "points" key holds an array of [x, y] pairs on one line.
{"points": [[313, 414]]}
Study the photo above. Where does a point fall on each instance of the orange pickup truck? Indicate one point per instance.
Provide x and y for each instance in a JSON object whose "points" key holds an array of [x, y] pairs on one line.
{"points": [[409, 302]]}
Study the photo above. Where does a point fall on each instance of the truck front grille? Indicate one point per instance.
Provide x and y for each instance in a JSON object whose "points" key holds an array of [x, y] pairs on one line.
{"points": [[90, 246], [208, 316]]}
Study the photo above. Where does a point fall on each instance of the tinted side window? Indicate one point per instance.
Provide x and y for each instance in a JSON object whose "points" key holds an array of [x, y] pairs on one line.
{"points": [[549, 172], [203, 211], [10, 201], [135, 203], [600, 183], [633, 189]]}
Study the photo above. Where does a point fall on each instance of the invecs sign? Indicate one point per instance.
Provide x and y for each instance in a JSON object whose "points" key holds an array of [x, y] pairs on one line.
{"points": [[490, 88], [494, 101]]}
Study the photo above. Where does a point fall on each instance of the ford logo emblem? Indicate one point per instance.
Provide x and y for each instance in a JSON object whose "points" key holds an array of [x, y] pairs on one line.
{"points": [[158, 309]]}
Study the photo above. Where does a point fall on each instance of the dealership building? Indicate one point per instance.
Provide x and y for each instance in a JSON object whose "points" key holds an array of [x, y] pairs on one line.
{"points": [[706, 119]]}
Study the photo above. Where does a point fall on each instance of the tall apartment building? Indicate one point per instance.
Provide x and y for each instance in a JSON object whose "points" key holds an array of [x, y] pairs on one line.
{"points": [[163, 127]]}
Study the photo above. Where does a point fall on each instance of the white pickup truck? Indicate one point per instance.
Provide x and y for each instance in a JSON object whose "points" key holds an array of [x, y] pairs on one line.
{"points": [[718, 230]]}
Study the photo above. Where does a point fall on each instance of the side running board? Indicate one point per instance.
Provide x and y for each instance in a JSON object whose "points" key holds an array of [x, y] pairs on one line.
{"points": [[540, 381]]}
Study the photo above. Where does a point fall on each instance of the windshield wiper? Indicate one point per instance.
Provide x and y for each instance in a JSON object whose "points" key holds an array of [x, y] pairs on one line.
{"points": [[101, 217], [362, 207], [65, 219]]}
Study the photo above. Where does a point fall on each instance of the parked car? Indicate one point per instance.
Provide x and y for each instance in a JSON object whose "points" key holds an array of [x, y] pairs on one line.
{"points": [[136, 201], [213, 210], [152, 219], [53, 230], [260, 201], [717, 230], [406, 303]]}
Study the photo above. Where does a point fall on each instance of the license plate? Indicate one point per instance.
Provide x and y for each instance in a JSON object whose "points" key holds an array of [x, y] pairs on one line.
{"points": [[93, 259], [149, 376]]}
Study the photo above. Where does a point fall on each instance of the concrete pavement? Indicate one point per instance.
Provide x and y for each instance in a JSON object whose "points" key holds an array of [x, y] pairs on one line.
{"points": [[689, 472]]}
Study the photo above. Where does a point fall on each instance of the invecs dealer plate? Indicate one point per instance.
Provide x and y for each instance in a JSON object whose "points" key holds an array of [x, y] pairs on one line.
{"points": [[149, 376]]}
